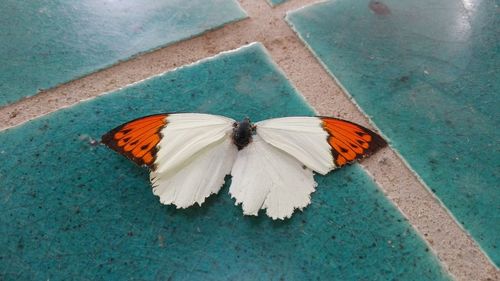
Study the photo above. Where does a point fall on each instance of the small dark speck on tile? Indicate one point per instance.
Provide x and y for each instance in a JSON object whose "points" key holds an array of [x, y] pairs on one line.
{"points": [[384, 161], [161, 241], [379, 8], [404, 79], [20, 244]]}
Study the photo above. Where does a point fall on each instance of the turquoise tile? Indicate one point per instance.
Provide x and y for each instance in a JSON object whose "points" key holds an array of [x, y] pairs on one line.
{"points": [[45, 43], [71, 208], [428, 74]]}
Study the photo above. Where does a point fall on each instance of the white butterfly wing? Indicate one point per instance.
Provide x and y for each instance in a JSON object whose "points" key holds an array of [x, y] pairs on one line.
{"points": [[194, 155], [265, 177], [185, 134], [197, 179], [302, 137], [274, 172]]}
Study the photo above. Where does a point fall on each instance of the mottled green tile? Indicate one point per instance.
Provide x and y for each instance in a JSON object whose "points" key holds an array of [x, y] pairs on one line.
{"points": [[45, 43], [73, 209], [428, 74]]}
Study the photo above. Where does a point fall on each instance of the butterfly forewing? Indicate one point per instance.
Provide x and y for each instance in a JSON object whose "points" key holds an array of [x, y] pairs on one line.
{"points": [[137, 139], [302, 137], [350, 141]]}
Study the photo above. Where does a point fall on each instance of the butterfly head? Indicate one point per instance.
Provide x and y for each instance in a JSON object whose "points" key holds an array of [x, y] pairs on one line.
{"points": [[242, 133]]}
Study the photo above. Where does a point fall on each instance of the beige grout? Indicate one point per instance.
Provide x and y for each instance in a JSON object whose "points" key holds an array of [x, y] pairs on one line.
{"points": [[453, 246]]}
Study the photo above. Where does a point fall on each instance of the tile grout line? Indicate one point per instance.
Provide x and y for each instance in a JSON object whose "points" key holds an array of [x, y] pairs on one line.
{"points": [[453, 246]]}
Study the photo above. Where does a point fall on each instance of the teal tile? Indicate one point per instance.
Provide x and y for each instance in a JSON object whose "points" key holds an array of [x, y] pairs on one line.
{"points": [[71, 208], [427, 72], [45, 43]]}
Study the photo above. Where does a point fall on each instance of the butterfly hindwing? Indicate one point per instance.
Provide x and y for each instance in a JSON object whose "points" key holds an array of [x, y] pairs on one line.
{"points": [[265, 177], [194, 181], [137, 139]]}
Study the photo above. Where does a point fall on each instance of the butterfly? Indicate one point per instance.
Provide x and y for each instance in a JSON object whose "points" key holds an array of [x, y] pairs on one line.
{"points": [[271, 162]]}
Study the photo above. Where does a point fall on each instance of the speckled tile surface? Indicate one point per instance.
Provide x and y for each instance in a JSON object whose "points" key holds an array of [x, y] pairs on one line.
{"points": [[45, 43], [73, 209], [427, 72]]}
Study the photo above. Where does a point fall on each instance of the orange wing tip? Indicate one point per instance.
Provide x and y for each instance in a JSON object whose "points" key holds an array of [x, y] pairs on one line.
{"points": [[137, 139], [349, 141]]}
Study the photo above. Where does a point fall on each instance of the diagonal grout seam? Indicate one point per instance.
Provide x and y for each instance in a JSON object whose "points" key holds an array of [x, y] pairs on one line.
{"points": [[454, 247]]}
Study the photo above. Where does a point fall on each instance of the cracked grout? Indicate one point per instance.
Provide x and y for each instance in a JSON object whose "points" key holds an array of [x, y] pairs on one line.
{"points": [[459, 254]]}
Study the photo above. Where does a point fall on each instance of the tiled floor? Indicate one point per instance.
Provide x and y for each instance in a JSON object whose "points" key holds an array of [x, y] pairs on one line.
{"points": [[72, 209], [99, 213], [429, 80], [45, 43]]}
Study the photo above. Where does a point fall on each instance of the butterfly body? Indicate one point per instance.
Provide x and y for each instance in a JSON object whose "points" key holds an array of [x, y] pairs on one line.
{"points": [[271, 162], [242, 133]]}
